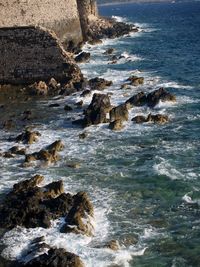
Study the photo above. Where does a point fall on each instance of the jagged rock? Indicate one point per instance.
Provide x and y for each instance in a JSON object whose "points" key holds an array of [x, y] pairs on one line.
{"points": [[139, 119], [68, 108], [39, 88], [82, 57], [78, 220], [135, 81], [54, 84], [8, 155], [97, 110], [116, 125], [17, 150], [99, 83], [83, 135], [119, 113], [109, 51], [158, 118], [28, 137], [49, 154], [31, 206], [137, 100], [56, 258], [113, 245], [86, 93], [159, 95]]}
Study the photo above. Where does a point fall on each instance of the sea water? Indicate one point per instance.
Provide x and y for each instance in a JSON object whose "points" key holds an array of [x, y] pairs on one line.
{"points": [[144, 181]]}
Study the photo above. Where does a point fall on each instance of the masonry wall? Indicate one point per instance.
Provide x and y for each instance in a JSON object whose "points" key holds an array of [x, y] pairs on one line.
{"points": [[62, 16], [31, 54]]}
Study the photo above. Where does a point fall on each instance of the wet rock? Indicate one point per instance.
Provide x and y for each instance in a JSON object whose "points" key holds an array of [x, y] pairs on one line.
{"points": [[53, 84], [68, 108], [83, 135], [97, 111], [113, 245], [28, 137], [73, 165], [119, 113], [8, 155], [49, 154], [79, 218], [159, 95], [158, 118], [55, 258], [135, 81], [109, 51], [137, 100], [99, 84], [55, 105], [116, 125], [139, 119], [17, 150], [125, 86], [86, 93], [95, 41], [82, 57], [31, 206], [39, 88]]}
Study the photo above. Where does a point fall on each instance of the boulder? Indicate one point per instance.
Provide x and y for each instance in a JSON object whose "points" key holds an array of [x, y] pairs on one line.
{"points": [[79, 218], [95, 41], [32, 206], [135, 81], [53, 84], [82, 57], [28, 137], [119, 113], [39, 88], [139, 119], [55, 258], [116, 125], [137, 100], [97, 110], [159, 95], [113, 245], [86, 93], [109, 51], [99, 84], [158, 118]]}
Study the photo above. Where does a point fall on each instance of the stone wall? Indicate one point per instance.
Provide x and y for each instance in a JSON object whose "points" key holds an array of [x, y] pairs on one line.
{"points": [[62, 16], [31, 54]]}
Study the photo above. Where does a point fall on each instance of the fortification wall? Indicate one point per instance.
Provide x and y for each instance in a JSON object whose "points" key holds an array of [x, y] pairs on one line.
{"points": [[31, 54], [61, 16]]}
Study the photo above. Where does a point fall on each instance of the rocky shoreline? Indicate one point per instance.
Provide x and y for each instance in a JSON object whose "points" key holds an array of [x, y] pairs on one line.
{"points": [[31, 205]]}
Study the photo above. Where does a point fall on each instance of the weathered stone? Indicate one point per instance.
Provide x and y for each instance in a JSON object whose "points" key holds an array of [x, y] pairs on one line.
{"points": [[159, 95], [113, 245], [137, 100], [86, 93], [79, 217], [17, 150], [119, 113], [139, 119], [116, 125], [99, 84], [82, 57], [158, 118], [135, 81], [28, 137]]}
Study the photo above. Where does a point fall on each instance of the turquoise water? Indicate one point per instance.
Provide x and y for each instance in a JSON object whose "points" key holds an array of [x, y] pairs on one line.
{"points": [[145, 180]]}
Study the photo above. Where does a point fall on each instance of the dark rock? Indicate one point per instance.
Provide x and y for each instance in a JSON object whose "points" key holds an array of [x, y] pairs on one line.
{"points": [[97, 110], [78, 220], [159, 95], [116, 125], [55, 105], [119, 113], [95, 41], [82, 57], [79, 104], [31, 206], [28, 137], [109, 51], [113, 245], [139, 119], [83, 135], [9, 124], [99, 84], [137, 100], [17, 150], [8, 155], [158, 118], [68, 108], [55, 258], [86, 93], [135, 81]]}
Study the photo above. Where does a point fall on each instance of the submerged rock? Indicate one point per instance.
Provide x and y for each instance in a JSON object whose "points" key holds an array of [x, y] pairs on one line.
{"points": [[109, 51], [99, 84]]}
